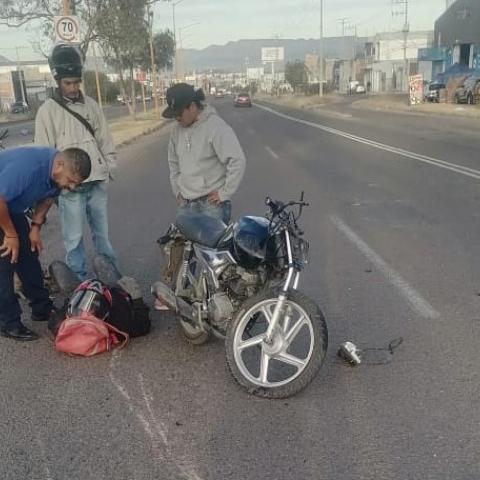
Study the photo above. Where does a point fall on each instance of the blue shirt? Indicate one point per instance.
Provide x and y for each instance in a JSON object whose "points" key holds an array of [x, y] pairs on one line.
{"points": [[25, 177]]}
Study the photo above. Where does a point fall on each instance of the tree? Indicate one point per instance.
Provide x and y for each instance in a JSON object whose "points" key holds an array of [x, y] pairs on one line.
{"points": [[109, 90], [296, 74], [164, 49], [15, 13], [122, 32]]}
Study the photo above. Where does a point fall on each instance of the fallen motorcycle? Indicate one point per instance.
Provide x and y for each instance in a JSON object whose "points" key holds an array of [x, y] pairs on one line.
{"points": [[240, 283]]}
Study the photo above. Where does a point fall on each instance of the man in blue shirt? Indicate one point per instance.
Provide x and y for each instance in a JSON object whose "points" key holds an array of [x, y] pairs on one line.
{"points": [[30, 177]]}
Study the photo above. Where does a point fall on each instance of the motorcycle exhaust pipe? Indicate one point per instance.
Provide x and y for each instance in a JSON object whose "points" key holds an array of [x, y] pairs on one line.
{"points": [[167, 296]]}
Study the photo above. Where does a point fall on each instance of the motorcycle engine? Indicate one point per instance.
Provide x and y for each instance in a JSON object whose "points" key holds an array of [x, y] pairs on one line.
{"points": [[241, 283]]}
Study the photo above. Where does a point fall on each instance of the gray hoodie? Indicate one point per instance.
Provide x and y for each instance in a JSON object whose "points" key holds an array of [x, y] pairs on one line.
{"points": [[205, 157], [55, 127]]}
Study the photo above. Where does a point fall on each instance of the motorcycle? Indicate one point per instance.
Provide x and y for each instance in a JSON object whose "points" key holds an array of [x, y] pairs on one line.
{"points": [[240, 283]]}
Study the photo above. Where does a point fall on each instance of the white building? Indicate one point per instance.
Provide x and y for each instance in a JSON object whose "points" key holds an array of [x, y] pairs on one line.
{"points": [[384, 58]]}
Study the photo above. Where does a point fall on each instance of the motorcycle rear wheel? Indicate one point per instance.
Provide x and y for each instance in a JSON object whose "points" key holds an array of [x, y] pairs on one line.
{"points": [[276, 370]]}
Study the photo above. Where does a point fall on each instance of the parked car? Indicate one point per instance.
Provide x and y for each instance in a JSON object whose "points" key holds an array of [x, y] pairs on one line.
{"points": [[468, 91], [220, 94], [432, 94], [243, 100], [19, 107]]}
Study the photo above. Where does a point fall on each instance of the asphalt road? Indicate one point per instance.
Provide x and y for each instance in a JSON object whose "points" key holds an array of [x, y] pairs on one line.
{"points": [[393, 228]]}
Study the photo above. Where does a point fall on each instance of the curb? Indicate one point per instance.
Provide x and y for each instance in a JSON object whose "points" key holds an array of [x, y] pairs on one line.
{"points": [[144, 133]]}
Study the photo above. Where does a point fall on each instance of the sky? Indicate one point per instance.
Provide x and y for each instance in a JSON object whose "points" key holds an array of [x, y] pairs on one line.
{"points": [[201, 23]]}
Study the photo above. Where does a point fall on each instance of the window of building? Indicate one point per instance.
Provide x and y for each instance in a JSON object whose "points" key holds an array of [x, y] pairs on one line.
{"points": [[463, 13]]}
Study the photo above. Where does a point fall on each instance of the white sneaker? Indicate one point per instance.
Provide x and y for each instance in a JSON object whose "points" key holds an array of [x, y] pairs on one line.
{"points": [[159, 305]]}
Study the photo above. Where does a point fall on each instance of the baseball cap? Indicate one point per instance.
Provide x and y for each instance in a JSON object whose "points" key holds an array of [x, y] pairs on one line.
{"points": [[179, 97]]}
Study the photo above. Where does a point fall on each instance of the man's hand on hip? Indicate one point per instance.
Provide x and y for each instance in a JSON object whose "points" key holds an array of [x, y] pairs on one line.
{"points": [[214, 198]]}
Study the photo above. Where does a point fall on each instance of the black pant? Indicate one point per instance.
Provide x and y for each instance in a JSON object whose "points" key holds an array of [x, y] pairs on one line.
{"points": [[30, 273]]}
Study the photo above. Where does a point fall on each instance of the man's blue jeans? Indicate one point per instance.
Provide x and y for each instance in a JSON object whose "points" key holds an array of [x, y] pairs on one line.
{"points": [[202, 205], [88, 203]]}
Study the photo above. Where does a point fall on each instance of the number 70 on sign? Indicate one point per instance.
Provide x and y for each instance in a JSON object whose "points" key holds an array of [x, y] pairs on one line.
{"points": [[67, 28]]}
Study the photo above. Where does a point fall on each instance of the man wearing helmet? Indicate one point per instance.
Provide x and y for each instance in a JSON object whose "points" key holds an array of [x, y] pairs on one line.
{"points": [[30, 176], [72, 119]]}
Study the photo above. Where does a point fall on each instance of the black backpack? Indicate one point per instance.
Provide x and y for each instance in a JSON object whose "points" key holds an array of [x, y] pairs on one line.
{"points": [[127, 315]]}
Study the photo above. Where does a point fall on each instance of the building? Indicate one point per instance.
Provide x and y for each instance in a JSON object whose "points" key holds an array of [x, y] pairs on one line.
{"points": [[384, 62], [456, 41], [23, 81]]}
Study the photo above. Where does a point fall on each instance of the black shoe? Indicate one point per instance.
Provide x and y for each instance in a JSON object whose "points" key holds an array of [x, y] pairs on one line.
{"points": [[42, 317], [20, 333]]}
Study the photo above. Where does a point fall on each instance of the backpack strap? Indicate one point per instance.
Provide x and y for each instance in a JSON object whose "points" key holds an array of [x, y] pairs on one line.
{"points": [[81, 119], [120, 333]]}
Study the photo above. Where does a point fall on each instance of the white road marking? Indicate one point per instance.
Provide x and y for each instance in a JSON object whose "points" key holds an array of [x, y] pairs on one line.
{"points": [[418, 303], [43, 452], [272, 153], [142, 409], [469, 172]]}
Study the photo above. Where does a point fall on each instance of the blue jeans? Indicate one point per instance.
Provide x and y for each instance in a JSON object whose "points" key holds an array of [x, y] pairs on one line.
{"points": [[30, 273], [223, 211], [88, 203]]}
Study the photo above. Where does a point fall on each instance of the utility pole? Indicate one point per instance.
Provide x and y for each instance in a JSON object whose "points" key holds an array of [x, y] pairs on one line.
{"points": [[97, 77], [66, 7], [174, 4], [344, 23], [321, 53], [152, 58], [402, 6]]}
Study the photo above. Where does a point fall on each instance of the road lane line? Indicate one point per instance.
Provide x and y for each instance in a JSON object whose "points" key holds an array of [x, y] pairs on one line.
{"points": [[418, 303], [469, 172], [272, 153]]}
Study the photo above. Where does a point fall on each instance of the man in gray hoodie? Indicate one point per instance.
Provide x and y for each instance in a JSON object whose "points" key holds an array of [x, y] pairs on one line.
{"points": [[205, 158]]}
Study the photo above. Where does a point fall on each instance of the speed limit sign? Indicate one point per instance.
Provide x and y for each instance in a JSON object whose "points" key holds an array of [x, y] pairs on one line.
{"points": [[67, 29]]}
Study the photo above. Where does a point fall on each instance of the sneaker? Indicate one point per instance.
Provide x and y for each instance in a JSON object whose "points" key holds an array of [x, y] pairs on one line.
{"points": [[159, 305]]}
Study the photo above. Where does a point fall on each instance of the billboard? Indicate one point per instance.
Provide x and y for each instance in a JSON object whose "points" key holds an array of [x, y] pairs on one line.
{"points": [[273, 54], [416, 89]]}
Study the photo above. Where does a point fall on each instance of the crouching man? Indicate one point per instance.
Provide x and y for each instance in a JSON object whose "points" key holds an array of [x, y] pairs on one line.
{"points": [[30, 176]]}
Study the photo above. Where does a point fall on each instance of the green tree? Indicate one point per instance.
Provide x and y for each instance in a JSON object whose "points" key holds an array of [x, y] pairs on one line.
{"points": [[296, 74], [122, 31], [108, 89]]}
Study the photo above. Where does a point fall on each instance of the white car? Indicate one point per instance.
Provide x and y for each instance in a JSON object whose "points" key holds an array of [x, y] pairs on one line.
{"points": [[361, 89]]}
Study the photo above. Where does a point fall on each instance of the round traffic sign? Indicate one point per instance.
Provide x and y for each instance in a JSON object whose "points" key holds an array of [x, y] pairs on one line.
{"points": [[67, 29]]}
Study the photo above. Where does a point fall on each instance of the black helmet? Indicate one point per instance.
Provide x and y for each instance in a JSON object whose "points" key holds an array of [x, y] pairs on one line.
{"points": [[91, 297], [65, 61]]}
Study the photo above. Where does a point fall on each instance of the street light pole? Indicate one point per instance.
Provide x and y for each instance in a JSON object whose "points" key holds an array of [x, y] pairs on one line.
{"points": [[320, 89], [174, 4], [152, 58]]}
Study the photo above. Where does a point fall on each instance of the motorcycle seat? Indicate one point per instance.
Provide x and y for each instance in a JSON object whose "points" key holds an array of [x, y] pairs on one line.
{"points": [[200, 228]]}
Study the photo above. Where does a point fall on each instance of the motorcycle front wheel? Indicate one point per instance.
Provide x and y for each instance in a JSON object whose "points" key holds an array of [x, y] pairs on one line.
{"points": [[291, 361]]}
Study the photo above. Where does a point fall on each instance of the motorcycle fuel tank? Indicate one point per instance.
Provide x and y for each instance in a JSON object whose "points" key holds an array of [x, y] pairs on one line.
{"points": [[250, 239]]}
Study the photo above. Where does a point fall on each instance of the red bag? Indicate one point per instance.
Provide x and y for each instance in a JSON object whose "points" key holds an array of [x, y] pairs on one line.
{"points": [[87, 336]]}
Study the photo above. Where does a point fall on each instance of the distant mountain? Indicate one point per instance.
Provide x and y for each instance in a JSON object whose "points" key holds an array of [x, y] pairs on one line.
{"points": [[234, 55]]}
